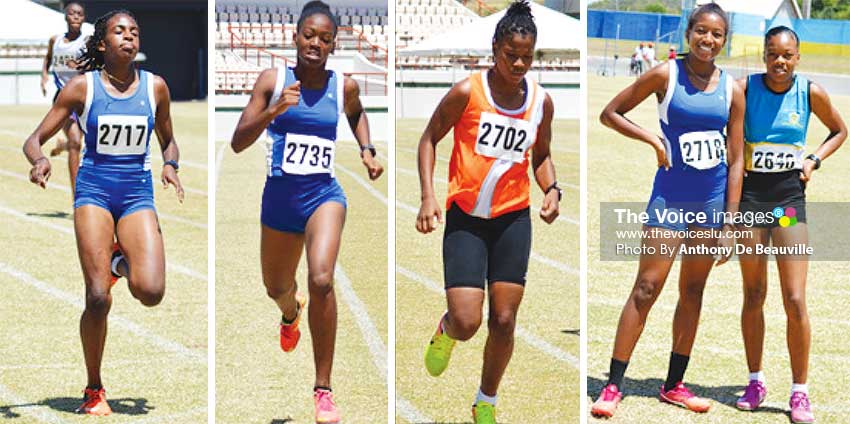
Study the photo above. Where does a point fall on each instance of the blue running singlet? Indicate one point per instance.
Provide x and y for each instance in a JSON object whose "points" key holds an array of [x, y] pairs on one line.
{"points": [[775, 126], [694, 127], [300, 154], [114, 169]]}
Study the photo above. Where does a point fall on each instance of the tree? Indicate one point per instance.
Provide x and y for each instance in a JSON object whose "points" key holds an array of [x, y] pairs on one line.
{"points": [[655, 8]]}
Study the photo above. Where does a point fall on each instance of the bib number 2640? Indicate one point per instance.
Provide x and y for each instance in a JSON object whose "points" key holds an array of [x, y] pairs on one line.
{"points": [[502, 137], [122, 134]]}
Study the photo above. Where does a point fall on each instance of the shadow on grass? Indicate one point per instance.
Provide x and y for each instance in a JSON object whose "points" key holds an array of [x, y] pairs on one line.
{"points": [[571, 331], [283, 421], [123, 406], [649, 387], [56, 214]]}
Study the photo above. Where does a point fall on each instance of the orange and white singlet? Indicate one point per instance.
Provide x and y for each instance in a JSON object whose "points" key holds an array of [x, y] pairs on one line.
{"points": [[488, 172]]}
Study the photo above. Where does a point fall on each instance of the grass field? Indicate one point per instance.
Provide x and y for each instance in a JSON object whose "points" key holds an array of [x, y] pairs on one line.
{"points": [[620, 169], [155, 366], [541, 383], [250, 367]]}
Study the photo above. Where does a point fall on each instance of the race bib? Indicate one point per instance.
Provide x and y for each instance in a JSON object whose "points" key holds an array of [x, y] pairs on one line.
{"points": [[503, 137], [703, 149], [122, 134], [307, 154], [769, 157]]}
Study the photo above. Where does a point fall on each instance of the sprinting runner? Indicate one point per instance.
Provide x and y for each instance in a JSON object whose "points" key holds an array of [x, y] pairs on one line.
{"points": [[498, 117], [119, 108], [700, 167], [303, 205], [63, 51], [779, 104]]}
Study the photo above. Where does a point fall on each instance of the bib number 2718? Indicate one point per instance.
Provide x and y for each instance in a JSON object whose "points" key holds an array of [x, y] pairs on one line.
{"points": [[122, 134], [703, 149], [502, 137]]}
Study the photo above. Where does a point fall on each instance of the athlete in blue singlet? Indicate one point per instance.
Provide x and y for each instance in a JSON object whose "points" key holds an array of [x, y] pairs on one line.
{"points": [[119, 107], [303, 206], [779, 105], [700, 170], [63, 51]]}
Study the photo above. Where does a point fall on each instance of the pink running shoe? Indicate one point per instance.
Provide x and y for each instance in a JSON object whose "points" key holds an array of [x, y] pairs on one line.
{"points": [[607, 402], [753, 396], [681, 396], [801, 409], [326, 412]]}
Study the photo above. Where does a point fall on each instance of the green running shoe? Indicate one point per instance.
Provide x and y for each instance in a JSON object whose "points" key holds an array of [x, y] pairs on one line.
{"points": [[483, 413], [439, 351]]}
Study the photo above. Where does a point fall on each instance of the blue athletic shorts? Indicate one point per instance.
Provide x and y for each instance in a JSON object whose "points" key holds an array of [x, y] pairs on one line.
{"points": [[119, 192], [678, 195], [290, 200]]}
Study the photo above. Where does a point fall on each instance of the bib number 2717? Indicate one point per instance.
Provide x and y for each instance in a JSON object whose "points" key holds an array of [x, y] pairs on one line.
{"points": [[703, 149], [122, 134], [502, 137]]}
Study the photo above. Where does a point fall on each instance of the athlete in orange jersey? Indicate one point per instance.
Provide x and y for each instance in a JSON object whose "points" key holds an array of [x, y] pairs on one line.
{"points": [[498, 116]]}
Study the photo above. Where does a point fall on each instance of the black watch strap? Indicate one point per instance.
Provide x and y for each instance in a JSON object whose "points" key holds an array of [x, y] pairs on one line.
{"points": [[173, 164], [554, 186], [815, 158], [370, 148]]}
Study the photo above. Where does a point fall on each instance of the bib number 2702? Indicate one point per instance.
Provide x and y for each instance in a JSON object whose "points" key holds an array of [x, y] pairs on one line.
{"points": [[503, 137], [122, 134]]}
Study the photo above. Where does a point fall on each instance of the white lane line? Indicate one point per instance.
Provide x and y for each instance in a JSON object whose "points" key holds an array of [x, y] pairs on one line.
{"points": [[69, 231], [560, 218], [179, 417], [219, 157], [67, 189], [540, 258], [520, 331], [375, 343], [118, 363], [114, 319], [24, 407]]}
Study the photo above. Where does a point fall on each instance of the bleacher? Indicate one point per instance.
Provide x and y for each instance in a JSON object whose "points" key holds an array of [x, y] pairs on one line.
{"points": [[258, 32], [417, 20]]}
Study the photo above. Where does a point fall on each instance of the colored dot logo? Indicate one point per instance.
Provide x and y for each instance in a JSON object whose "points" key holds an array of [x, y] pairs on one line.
{"points": [[787, 217]]}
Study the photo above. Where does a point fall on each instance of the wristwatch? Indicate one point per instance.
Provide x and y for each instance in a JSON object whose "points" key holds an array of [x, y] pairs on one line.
{"points": [[814, 158], [554, 186], [370, 148], [173, 164]]}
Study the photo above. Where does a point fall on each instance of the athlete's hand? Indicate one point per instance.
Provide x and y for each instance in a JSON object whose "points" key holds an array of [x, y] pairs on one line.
{"points": [[43, 86], [661, 153], [429, 216], [808, 168], [289, 97], [169, 176], [727, 243], [40, 172], [551, 207], [372, 166]]}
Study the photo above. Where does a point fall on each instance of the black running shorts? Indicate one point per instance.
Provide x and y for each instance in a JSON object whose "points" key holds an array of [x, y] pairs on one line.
{"points": [[763, 192], [476, 250]]}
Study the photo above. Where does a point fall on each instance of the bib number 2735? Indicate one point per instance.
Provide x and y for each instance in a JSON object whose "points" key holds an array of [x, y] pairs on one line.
{"points": [[122, 134], [306, 154], [703, 149], [502, 137]]}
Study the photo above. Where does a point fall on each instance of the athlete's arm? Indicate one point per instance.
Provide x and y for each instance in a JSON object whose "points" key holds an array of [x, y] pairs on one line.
{"points": [[258, 113], [165, 135], [541, 162], [829, 116], [71, 99], [45, 68], [735, 163], [447, 113], [613, 116], [360, 127]]}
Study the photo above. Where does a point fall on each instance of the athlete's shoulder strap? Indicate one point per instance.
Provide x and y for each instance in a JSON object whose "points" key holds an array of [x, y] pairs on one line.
{"points": [[539, 100], [730, 90], [672, 76], [89, 98], [340, 91], [280, 79], [150, 77]]}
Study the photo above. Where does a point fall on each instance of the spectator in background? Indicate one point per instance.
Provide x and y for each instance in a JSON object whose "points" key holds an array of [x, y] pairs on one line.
{"points": [[671, 54], [649, 56], [638, 57]]}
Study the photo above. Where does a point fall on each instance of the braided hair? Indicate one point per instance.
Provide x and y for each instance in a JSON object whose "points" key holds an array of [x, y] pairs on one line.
{"points": [[780, 30], [517, 20], [316, 7], [705, 9], [93, 58]]}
